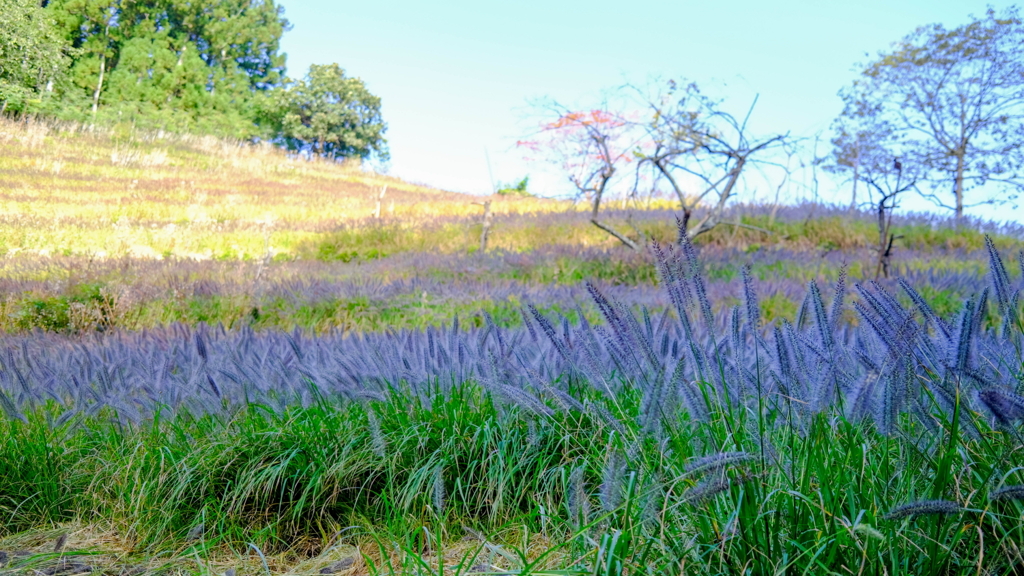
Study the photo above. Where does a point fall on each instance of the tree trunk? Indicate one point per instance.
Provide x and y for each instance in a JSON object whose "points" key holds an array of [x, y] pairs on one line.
{"points": [[598, 194], [883, 234], [99, 86], [856, 177], [684, 224], [380, 198], [672, 182], [711, 220], [882, 229], [884, 258], [958, 187], [485, 231]]}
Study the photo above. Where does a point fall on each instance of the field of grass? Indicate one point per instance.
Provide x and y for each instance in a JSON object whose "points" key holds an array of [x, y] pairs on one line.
{"points": [[214, 360], [113, 193]]}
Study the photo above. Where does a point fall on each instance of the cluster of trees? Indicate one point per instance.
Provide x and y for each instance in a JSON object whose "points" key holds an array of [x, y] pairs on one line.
{"points": [[949, 106], [671, 137], [942, 114], [209, 66]]}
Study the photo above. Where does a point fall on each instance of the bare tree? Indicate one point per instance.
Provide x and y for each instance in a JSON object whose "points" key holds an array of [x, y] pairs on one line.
{"points": [[684, 139], [862, 134], [485, 224], [867, 145], [690, 141], [591, 147], [888, 185], [954, 100]]}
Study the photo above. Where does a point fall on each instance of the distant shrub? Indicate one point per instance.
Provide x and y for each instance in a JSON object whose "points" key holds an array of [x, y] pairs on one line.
{"points": [[363, 244], [86, 307], [518, 189]]}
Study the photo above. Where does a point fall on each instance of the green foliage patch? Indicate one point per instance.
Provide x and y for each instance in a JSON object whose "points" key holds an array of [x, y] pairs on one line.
{"points": [[588, 483]]}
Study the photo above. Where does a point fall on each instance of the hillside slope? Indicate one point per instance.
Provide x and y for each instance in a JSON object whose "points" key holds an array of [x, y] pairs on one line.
{"points": [[131, 230], [68, 190]]}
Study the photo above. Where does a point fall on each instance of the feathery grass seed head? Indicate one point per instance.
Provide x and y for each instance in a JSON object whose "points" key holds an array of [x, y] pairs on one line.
{"points": [[1005, 406], [438, 496], [717, 461], [377, 442], [708, 489], [1000, 280], [1013, 492], [923, 508]]}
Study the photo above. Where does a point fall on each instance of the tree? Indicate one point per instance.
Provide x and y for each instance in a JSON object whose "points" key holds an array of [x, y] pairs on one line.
{"points": [[953, 104], [591, 147], [682, 136], [695, 146], [179, 64], [89, 26], [864, 140], [889, 185], [331, 115], [868, 150], [887, 179], [33, 57]]}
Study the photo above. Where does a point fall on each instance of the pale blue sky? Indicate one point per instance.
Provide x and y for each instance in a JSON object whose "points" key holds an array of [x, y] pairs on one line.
{"points": [[455, 77]]}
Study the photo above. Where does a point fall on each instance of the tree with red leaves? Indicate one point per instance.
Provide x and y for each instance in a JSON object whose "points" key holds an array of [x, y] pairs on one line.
{"points": [[591, 147]]}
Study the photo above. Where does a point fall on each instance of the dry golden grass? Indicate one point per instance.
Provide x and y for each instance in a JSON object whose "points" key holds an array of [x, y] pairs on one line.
{"points": [[69, 190], [102, 548]]}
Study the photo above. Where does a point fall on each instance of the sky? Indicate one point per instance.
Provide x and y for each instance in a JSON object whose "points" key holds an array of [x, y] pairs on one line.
{"points": [[457, 78]]}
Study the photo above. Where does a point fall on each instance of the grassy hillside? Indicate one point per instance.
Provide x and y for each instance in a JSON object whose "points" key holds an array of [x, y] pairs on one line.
{"points": [[134, 230], [214, 360], [419, 265], [66, 190]]}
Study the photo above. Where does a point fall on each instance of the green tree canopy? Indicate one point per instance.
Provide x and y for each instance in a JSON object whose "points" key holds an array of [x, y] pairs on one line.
{"points": [[33, 57], [182, 64], [331, 115], [207, 66]]}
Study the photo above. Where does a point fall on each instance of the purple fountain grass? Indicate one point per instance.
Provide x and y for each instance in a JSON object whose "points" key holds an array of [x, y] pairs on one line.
{"points": [[1014, 492], [923, 508], [669, 349]]}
